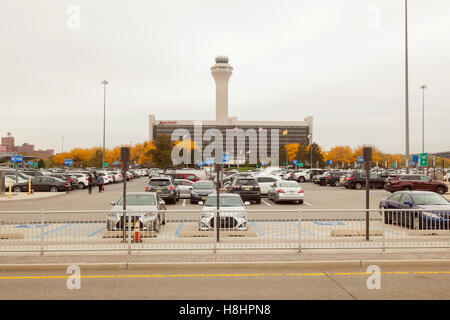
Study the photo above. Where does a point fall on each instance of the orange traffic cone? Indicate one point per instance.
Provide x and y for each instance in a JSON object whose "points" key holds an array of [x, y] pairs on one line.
{"points": [[137, 232]]}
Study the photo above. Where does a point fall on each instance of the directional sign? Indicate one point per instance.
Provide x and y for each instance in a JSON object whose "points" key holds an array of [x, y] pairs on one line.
{"points": [[68, 162], [35, 164], [360, 159], [394, 165], [301, 164], [415, 158], [424, 159], [296, 162], [17, 158], [106, 164]]}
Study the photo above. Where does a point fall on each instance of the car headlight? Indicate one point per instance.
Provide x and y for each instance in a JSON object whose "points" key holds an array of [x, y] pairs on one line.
{"points": [[431, 215]]}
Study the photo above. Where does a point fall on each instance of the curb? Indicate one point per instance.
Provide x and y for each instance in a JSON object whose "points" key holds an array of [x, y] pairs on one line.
{"points": [[54, 195], [225, 265]]}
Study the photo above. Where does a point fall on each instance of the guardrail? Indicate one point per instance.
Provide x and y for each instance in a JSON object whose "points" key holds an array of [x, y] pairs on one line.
{"points": [[45, 231]]}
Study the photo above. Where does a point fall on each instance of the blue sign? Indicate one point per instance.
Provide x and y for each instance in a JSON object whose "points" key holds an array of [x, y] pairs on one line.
{"points": [[225, 157], [30, 163], [209, 161], [329, 162], [68, 162], [358, 165], [116, 163], [360, 159], [415, 158], [263, 164], [411, 163], [137, 164], [296, 162], [17, 158]]}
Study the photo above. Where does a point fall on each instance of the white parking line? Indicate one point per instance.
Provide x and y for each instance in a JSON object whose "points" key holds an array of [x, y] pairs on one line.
{"points": [[266, 203], [184, 203], [309, 204]]}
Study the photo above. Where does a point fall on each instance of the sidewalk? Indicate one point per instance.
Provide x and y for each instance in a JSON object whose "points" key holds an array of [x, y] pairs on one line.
{"points": [[236, 259], [24, 196]]}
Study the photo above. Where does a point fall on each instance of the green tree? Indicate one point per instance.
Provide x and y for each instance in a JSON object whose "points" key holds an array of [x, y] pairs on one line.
{"points": [[317, 155], [96, 159], [41, 163], [283, 155], [161, 154]]}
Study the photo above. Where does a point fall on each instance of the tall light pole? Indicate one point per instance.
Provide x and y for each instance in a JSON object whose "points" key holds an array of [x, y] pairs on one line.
{"points": [[423, 116], [406, 89], [62, 145], [104, 83], [310, 147]]}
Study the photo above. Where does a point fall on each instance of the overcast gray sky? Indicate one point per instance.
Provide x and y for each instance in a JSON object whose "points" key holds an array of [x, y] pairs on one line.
{"points": [[340, 61]]}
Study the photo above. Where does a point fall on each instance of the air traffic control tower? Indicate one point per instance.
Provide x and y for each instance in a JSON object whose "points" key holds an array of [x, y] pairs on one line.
{"points": [[221, 73]]}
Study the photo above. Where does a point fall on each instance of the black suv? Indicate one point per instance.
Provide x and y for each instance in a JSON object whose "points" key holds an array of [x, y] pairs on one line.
{"points": [[333, 178], [247, 188], [164, 186], [357, 180]]}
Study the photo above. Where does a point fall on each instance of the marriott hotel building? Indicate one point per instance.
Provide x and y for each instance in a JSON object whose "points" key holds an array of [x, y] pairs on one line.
{"points": [[289, 131]]}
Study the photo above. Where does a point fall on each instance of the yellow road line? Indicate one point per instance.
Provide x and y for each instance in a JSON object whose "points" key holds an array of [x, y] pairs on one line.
{"points": [[225, 275]]}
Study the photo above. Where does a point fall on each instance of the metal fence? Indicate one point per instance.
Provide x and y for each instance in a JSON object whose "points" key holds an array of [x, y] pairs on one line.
{"points": [[45, 231]]}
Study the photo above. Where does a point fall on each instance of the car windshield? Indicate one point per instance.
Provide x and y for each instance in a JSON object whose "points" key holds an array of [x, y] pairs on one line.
{"points": [[224, 201], [204, 185], [290, 184], [429, 199], [246, 182], [139, 200], [159, 182]]}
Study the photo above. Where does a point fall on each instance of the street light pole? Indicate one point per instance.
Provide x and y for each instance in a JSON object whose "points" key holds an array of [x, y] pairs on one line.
{"points": [[310, 147], [406, 89], [423, 117], [104, 83]]}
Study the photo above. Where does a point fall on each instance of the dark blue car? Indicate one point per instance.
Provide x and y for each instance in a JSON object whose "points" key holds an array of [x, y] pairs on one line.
{"points": [[433, 210]]}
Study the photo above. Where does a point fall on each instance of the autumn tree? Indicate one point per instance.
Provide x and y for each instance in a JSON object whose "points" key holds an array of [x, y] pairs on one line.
{"points": [[161, 154]]}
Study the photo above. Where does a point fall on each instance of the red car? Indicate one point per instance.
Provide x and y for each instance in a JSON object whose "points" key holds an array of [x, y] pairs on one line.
{"points": [[415, 182]]}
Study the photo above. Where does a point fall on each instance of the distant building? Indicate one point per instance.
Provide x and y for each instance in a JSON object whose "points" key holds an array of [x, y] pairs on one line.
{"points": [[26, 149], [289, 131]]}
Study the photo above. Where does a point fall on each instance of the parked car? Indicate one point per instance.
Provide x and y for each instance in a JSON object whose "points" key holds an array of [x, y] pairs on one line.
{"points": [[333, 178], [83, 180], [184, 188], [286, 191], [164, 187], [265, 183], [415, 182], [201, 190], [52, 184], [19, 185], [151, 215], [247, 188], [69, 178], [300, 176], [233, 216], [433, 210]]}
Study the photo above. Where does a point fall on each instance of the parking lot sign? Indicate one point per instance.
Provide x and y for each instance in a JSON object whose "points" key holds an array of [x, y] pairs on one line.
{"points": [[360, 159], [17, 158], [225, 157], [116, 163], [68, 162], [296, 162], [329, 161], [30, 163], [412, 163], [415, 158], [424, 159]]}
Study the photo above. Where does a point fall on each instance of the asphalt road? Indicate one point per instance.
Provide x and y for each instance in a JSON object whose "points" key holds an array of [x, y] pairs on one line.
{"points": [[282, 283]]}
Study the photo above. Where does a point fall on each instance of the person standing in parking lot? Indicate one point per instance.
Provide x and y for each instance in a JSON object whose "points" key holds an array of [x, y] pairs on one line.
{"points": [[91, 182], [100, 182]]}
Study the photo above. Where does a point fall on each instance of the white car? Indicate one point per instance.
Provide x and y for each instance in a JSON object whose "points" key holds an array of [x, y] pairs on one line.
{"points": [[107, 177], [301, 176], [266, 182], [286, 191], [83, 180], [232, 217]]}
